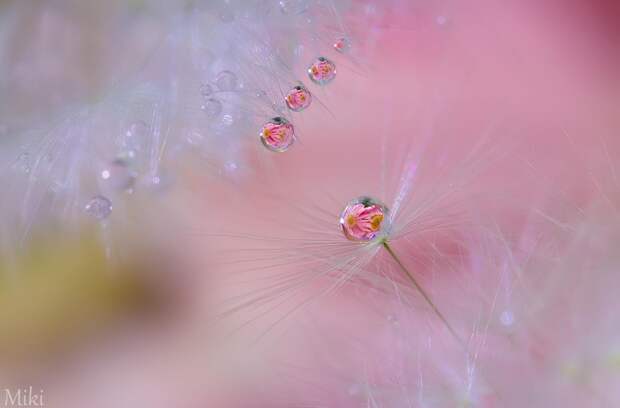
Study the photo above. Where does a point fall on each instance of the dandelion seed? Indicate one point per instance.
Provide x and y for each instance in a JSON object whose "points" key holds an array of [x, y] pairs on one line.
{"points": [[118, 175], [363, 220]]}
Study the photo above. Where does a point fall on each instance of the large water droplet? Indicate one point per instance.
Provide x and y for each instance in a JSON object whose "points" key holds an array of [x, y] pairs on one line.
{"points": [[363, 219]]}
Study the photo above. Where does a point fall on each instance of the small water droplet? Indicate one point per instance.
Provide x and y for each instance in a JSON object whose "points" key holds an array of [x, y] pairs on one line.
{"points": [[99, 207], [118, 175], [294, 6], [342, 45], [277, 135], [322, 71], [298, 98], [226, 81]]}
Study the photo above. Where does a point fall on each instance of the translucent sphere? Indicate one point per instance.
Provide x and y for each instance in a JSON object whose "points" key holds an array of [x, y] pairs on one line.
{"points": [[118, 175], [226, 81], [322, 71], [363, 219], [298, 98], [342, 45], [277, 135], [99, 207]]}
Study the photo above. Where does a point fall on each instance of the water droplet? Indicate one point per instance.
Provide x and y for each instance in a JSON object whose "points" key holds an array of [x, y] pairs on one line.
{"points": [[322, 71], [363, 219], [99, 207], [294, 6], [277, 135], [226, 81], [118, 175], [206, 90], [507, 318], [298, 98], [212, 107], [342, 45]]}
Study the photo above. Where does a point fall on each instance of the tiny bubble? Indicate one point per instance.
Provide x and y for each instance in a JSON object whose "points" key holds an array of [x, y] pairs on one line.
{"points": [[298, 98], [293, 6], [342, 45], [118, 175], [322, 71]]}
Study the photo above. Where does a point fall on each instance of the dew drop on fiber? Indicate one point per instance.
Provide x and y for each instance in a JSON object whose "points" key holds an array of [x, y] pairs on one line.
{"points": [[363, 219]]}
